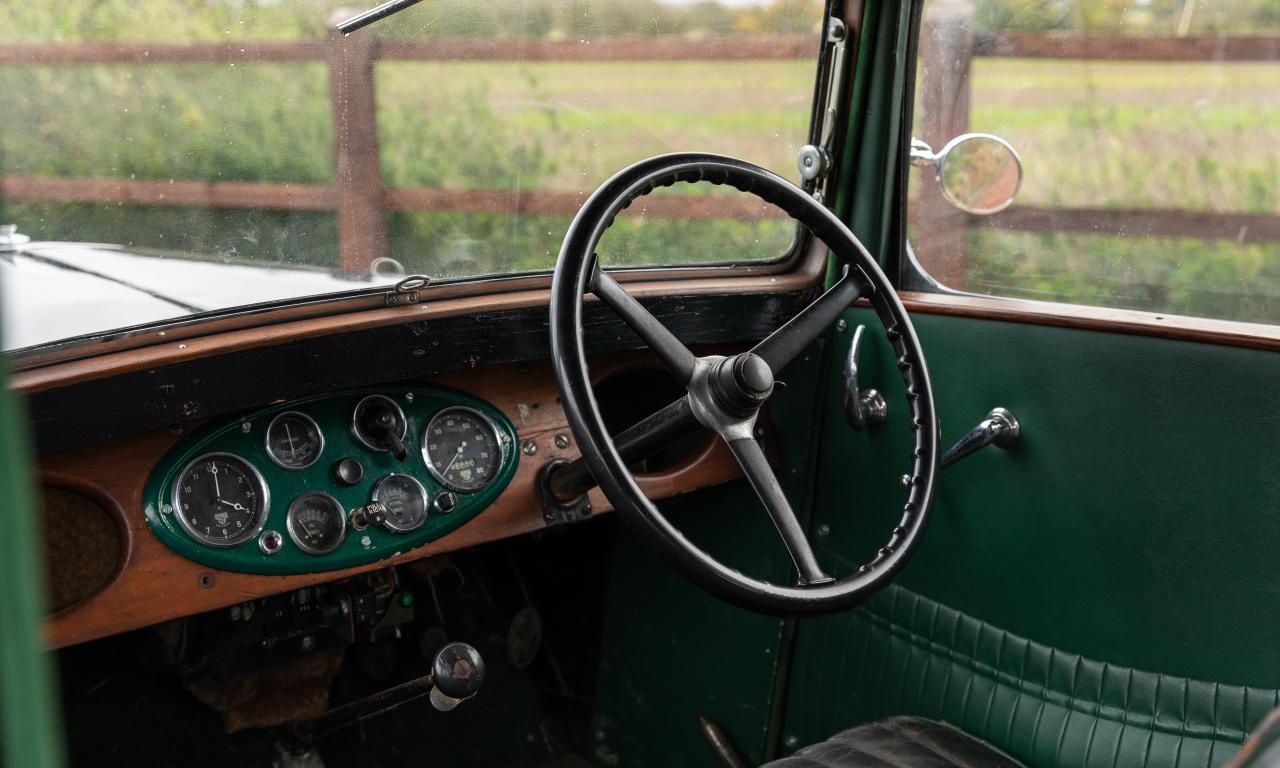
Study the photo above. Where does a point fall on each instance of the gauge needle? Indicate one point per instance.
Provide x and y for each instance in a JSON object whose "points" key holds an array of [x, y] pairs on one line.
{"points": [[289, 434], [234, 505], [458, 453], [217, 492]]}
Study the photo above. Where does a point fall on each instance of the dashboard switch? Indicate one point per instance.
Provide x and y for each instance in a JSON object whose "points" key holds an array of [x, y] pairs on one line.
{"points": [[348, 471], [446, 501]]}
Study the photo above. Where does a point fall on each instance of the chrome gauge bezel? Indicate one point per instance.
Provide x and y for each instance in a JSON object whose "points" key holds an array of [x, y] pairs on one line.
{"points": [[266, 440], [355, 429], [493, 431], [422, 493], [293, 534], [249, 533]]}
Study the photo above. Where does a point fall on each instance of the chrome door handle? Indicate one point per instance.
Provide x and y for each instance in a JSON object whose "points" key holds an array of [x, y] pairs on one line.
{"points": [[862, 407], [1000, 428]]}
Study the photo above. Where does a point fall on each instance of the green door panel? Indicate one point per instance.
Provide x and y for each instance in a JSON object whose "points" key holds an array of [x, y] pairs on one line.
{"points": [[670, 651], [903, 653], [1137, 522]]}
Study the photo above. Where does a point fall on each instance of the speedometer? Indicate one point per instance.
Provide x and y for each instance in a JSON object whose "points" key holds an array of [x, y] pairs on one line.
{"points": [[461, 449]]}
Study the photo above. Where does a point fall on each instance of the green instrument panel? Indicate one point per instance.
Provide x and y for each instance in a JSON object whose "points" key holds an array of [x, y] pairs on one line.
{"points": [[273, 492]]}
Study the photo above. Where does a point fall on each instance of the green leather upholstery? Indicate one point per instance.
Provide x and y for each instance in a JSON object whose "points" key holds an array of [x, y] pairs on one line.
{"points": [[899, 742], [906, 654]]}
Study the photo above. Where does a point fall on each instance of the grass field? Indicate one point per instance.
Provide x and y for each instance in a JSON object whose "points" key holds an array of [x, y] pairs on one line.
{"points": [[1180, 136], [1091, 134]]}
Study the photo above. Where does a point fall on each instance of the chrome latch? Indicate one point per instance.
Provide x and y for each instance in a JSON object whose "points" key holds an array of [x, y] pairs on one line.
{"points": [[407, 290], [862, 407], [814, 160]]}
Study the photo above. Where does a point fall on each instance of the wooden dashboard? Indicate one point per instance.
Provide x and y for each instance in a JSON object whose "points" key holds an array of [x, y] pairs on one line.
{"points": [[152, 583]]}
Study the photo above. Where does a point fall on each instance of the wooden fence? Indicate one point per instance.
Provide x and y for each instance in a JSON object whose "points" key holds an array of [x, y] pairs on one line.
{"points": [[948, 46], [361, 200], [359, 196]]}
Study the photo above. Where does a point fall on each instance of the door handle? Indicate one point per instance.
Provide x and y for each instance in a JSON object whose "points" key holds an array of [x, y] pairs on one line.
{"points": [[862, 407], [999, 428]]}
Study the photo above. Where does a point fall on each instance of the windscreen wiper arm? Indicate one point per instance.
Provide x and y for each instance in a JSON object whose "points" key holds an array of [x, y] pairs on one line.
{"points": [[192, 308], [374, 14]]}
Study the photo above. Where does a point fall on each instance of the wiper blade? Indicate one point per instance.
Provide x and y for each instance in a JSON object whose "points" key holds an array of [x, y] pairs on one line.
{"points": [[362, 20], [192, 308]]}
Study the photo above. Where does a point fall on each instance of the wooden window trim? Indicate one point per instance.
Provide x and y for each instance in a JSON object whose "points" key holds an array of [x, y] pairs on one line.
{"points": [[1104, 319]]}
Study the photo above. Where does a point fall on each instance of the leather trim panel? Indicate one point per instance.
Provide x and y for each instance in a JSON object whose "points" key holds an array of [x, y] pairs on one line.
{"points": [[903, 653]]}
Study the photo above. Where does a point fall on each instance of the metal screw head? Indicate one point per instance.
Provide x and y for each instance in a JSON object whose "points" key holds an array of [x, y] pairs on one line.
{"points": [[529, 448], [841, 325], [408, 397], [905, 481], [824, 530], [246, 427], [562, 441], [792, 742], [165, 509]]}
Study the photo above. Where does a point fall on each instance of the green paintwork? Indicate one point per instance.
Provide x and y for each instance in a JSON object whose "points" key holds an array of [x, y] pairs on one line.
{"points": [[1134, 523], [29, 728], [333, 414]]}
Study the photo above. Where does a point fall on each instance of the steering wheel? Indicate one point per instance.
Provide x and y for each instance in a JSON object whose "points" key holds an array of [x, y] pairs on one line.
{"points": [[725, 394]]}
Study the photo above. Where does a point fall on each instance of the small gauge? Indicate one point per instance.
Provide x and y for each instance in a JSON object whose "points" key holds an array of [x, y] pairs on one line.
{"points": [[461, 449], [220, 499], [405, 500], [317, 523], [379, 424], [294, 440]]}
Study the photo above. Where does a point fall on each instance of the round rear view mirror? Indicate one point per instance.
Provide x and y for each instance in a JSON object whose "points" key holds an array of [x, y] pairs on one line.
{"points": [[979, 173]]}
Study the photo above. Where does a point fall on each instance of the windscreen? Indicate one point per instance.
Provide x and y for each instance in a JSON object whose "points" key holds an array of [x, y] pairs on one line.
{"points": [[172, 157]]}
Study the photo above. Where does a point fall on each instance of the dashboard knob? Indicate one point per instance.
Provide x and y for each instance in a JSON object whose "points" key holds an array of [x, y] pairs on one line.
{"points": [[348, 471], [458, 674]]}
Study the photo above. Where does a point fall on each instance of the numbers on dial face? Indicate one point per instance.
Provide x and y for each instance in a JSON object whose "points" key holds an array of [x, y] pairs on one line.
{"points": [[317, 523], [294, 440], [220, 499], [405, 500], [461, 449]]}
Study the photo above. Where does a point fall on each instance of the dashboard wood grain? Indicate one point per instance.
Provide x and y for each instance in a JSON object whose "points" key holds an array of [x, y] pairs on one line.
{"points": [[154, 584]]}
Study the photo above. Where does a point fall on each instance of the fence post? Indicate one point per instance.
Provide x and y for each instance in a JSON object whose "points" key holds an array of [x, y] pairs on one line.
{"points": [[946, 48], [362, 231]]}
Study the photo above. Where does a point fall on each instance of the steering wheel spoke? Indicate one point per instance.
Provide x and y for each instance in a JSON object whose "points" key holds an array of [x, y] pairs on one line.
{"points": [[675, 355], [783, 345], [756, 467]]}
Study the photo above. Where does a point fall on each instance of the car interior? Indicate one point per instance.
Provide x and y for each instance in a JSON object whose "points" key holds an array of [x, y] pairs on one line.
{"points": [[844, 484]]}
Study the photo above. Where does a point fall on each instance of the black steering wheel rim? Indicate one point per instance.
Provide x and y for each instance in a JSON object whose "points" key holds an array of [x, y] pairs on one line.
{"points": [[575, 274]]}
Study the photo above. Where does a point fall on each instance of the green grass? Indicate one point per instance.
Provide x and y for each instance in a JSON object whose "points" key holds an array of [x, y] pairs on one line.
{"points": [[1180, 136], [562, 127], [1091, 134]]}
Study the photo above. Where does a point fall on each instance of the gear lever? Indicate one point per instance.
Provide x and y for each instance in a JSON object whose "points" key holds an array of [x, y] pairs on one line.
{"points": [[459, 673], [455, 676]]}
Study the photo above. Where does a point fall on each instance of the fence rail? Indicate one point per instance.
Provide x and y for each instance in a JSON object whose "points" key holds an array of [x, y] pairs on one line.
{"points": [[361, 199]]}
